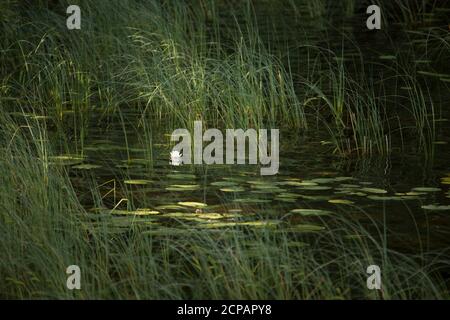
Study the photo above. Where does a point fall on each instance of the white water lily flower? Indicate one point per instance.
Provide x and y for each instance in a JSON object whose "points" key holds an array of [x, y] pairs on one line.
{"points": [[175, 158]]}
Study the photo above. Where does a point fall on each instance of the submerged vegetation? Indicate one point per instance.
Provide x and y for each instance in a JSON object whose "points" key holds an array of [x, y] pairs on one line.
{"points": [[84, 150]]}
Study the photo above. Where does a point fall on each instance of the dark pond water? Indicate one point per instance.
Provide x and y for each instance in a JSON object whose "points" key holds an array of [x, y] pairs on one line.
{"points": [[406, 192]]}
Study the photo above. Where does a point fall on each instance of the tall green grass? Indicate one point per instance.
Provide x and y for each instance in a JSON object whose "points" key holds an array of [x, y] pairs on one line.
{"points": [[44, 229]]}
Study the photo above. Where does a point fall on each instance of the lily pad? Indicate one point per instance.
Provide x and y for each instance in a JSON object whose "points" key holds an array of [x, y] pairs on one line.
{"points": [[137, 182], [86, 166], [66, 159], [312, 212], [343, 179], [374, 190], [181, 176], [340, 201], [316, 188], [436, 207], [191, 204], [251, 200], [232, 189], [426, 189], [183, 187], [323, 180], [315, 198], [304, 228], [224, 183], [298, 183], [169, 207], [138, 212]]}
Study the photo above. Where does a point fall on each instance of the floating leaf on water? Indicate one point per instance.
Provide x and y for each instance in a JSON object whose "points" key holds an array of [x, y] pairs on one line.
{"points": [[436, 207], [169, 207], [181, 176], [388, 57], [414, 193], [259, 223], [382, 198], [389, 198], [433, 74], [298, 183], [290, 200], [192, 204], [232, 189], [323, 180], [349, 186], [304, 228], [292, 179], [183, 187], [343, 179], [224, 183], [210, 216], [312, 212], [214, 216], [351, 192], [137, 182], [251, 200], [86, 166], [426, 189], [138, 212], [66, 159], [373, 190], [316, 188], [445, 180], [145, 212], [315, 197], [340, 201], [289, 195]]}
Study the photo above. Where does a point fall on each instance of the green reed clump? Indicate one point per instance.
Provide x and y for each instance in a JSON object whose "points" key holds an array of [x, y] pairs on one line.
{"points": [[155, 55], [354, 116]]}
